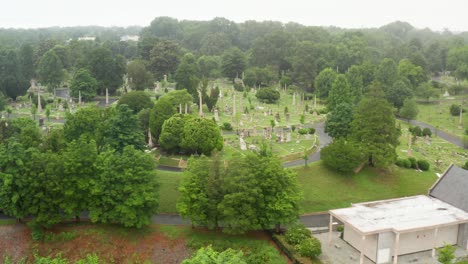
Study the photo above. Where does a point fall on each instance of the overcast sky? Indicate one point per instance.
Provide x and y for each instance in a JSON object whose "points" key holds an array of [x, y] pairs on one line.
{"points": [[437, 15]]}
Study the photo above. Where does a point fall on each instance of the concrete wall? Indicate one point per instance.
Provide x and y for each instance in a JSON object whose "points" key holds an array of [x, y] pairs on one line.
{"points": [[424, 240], [385, 244], [463, 236], [355, 240]]}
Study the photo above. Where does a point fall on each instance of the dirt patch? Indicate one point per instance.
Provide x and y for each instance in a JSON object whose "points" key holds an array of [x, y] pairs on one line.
{"points": [[14, 241]]}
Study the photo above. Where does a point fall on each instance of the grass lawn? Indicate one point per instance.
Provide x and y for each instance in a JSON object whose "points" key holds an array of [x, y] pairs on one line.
{"points": [[168, 192], [324, 189]]}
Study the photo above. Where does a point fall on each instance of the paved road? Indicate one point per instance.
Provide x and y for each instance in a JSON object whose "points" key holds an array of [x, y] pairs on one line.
{"points": [[448, 137], [324, 139]]}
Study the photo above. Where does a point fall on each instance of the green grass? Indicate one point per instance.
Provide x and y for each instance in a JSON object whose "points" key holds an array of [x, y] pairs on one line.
{"points": [[324, 189], [168, 192], [7, 222], [438, 115]]}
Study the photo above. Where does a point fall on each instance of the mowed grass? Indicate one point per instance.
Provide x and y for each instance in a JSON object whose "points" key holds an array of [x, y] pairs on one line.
{"points": [[324, 189], [168, 192]]}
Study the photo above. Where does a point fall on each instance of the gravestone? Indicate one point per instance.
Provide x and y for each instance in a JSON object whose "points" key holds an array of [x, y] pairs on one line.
{"points": [[107, 96], [254, 132], [243, 145], [39, 105], [294, 99], [216, 115], [288, 137]]}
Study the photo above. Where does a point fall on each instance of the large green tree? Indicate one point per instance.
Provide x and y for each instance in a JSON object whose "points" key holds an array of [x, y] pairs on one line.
{"points": [[374, 127], [107, 69], [338, 123], [12, 82], [387, 73], [50, 69], [136, 100], [139, 77], [172, 133], [339, 93], [342, 155], [163, 109], [164, 58], [201, 136], [83, 82], [398, 92], [324, 82], [187, 75], [233, 63]]}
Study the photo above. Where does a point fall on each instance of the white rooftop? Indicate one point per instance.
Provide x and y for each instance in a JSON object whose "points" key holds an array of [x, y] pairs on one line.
{"points": [[400, 215]]}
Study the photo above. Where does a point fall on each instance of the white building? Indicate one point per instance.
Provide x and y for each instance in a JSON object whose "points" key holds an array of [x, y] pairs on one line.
{"points": [[130, 38], [384, 230]]}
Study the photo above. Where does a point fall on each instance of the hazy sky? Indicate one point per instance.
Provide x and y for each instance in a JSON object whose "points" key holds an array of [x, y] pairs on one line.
{"points": [[436, 15]]}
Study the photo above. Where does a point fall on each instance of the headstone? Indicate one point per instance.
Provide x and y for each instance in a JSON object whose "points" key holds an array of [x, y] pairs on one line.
{"points": [[39, 105], [180, 108], [294, 99], [186, 108], [460, 123], [165, 78], [288, 137], [150, 139], [446, 94], [216, 115], [79, 97], [107, 96], [201, 104], [243, 145]]}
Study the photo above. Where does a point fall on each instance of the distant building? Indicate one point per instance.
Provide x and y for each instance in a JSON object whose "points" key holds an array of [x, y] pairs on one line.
{"points": [[87, 38], [129, 38], [384, 230]]}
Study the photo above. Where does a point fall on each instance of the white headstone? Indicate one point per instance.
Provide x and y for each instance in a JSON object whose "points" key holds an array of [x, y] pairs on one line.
{"points": [[288, 137], [39, 105], [216, 115], [243, 145], [107, 96]]}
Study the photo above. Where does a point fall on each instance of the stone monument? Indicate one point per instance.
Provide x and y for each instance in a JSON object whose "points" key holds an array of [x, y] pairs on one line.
{"points": [[216, 115]]}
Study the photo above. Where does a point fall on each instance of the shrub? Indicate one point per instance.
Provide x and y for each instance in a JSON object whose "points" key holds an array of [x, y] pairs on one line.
{"points": [[226, 126], [446, 254], [238, 87], [293, 128], [342, 156], [416, 131], [297, 233], [466, 165], [268, 95], [426, 132], [309, 247], [414, 163], [136, 100], [37, 232], [302, 131], [423, 165], [455, 110], [311, 130], [322, 111], [402, 163]]}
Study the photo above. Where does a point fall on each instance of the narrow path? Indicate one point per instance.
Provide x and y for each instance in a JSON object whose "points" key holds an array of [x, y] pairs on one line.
{"points": [[444, 135]]}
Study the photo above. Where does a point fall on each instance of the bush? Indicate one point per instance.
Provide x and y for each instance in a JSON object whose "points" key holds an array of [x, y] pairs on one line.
{"points": [[309, 247], [226, 126], [268, 95], [302, 131], [293, 128], [322, 111], [343, 156], [446, 254], [414, 163], [297, 233], [239, 87], [423, 165], [416, 131], [403, 163], [37, 232], [465, 166], [136, 100], [426, 132], [455, 110], [311, 130]]}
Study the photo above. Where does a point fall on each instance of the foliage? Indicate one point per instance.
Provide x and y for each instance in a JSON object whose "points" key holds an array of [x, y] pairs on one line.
{"points": [[296, 233], [338, 123], [86, 122], [416, 131], [465, 166], [302, 131], [164, 56], [397, 93], [324, 82], [268, 95], [409, 110], [423, 165], [209, 256], [374, 126], [414, 163], [163, 109], [455, 110], [172, 133], [343, 156], [446, 254], [340, 93], [107, 69], [309, 247], [136, 100], [139, 77], [426, 132], [187, 74], [226, 126], [13, 82], [233, 63], [201, 136], [50, 69], [85, 83], [126, 191], [404, 163]]}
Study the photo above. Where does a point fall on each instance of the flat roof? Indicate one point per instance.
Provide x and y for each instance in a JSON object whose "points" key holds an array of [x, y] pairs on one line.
{"points": [[400, 215]]}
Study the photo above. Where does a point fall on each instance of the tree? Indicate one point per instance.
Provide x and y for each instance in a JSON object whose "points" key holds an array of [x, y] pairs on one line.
{"points": [[85, 83], [338, 123], [415, 74], [139, 77], [172, 133], [446, 254], [343, 156], [107, 70], [187, 74], [209, 66], [374, 127], [304, 63], [163, 109], [233, 63], [26, 59], [211, 99], [397, 93], [136, 100], [86, 121], [209, 256], [309, 247], [268, 95], [387, 73], [409, 109], [324, 82], [339, 93], [122, 129], [201, 136], [457, 61], [355, 80], [51, 70], [164, 58], [12, 81], [127, 189], [202, 192], [427, 91]]}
